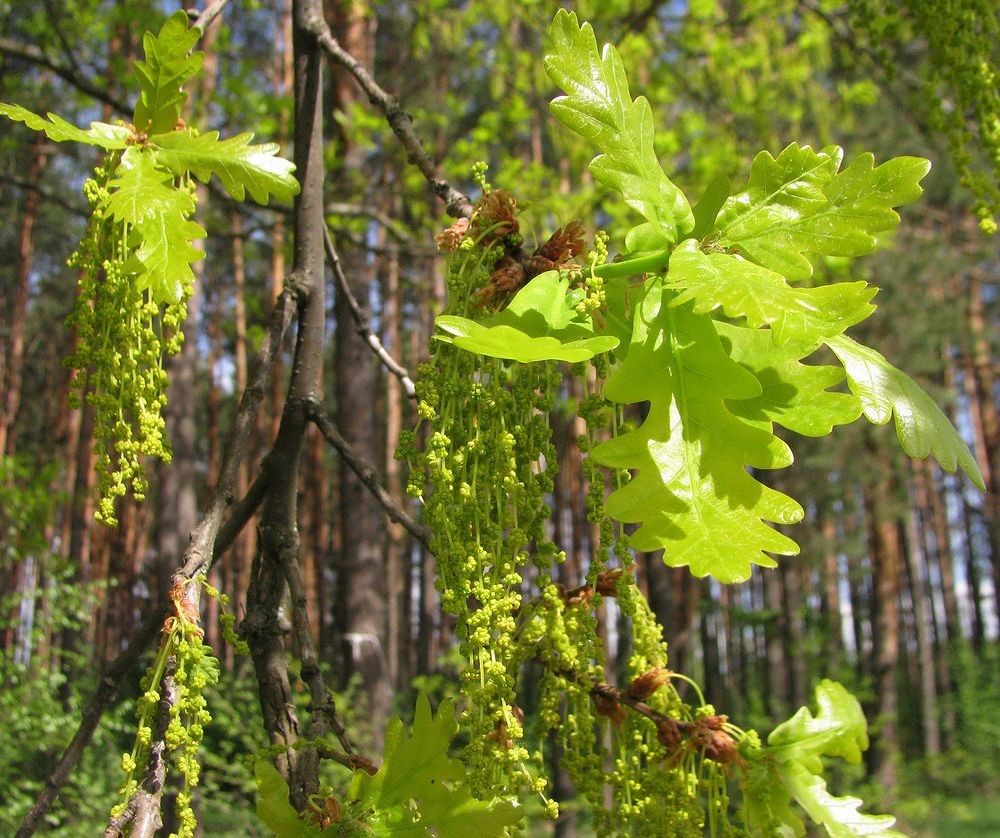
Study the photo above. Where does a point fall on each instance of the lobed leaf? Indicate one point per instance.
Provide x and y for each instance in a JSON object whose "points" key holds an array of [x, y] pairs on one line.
{"points": [[794, 766], [140, 190], [275, 810], [744, 289], [885, 391], [798, 203], [793, 395], [241, 167], [167, 67], [164, 253], [599, 107], [420, 790], [56, 128], [540, 324], [692, 491]]}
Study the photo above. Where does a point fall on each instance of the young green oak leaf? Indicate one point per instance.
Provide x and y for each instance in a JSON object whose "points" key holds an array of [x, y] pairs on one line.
{"points": [[275, 810], [540, 324], [692, 491], [791, 767], [798, 203], [241, 167], [420, 790], [744, 289], [793, 395], [141, 189], [885, 391], [167, 67], [56, 128], [164, 253], [599, 107]]}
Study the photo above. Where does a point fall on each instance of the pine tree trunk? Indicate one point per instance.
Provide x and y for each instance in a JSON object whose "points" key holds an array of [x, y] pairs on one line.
{"points": [[361, 596], [10, 392], [887, 565], [919, 597]]}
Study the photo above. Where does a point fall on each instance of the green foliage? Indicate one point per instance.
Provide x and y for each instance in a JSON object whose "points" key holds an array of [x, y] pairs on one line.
{"points": [[169, 65], [540, 324], [764, 298], [101, 134], [241, 167], [957, 92], [135, 261], [598, 107], [791, 766], [419, 790], [798, 203], [692, 493], [713, 403], [884, 391]]}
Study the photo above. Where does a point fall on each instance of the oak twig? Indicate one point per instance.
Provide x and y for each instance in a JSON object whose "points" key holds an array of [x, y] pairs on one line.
{"points": [[456, 202], [363, 326], [367, 474]]}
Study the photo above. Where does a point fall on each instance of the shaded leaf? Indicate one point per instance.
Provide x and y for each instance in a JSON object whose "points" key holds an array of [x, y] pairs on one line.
{"points": [[421, 791], [274, 808]]}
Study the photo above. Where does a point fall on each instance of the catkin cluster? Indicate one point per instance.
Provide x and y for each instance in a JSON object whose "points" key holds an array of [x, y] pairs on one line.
{"points": [[122, 337]]}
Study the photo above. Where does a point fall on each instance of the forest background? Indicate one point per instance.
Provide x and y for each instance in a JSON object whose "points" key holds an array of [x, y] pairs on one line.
{"points": [[895, 592]]}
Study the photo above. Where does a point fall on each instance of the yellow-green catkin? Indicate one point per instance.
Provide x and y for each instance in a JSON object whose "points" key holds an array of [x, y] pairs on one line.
{"points": [[122, 337]]}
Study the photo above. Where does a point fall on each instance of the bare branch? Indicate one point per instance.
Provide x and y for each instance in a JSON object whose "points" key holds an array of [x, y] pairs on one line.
{"points": [[201, 20], [366, 473], [456, 202], [30, 52], [363, 326]]}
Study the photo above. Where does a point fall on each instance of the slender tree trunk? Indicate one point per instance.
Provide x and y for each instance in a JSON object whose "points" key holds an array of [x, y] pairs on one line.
{"points": [[10, 392], [833, 638], [986, 421], [361, 597], [887, 563], [920, 599]]}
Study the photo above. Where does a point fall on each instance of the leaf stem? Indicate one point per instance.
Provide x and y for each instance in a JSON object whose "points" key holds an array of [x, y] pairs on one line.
{"points": [[647, 263]]}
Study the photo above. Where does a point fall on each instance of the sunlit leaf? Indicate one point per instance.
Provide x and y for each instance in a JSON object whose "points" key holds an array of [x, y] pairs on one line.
{"points": [[692, 492], [241, 167], [885, 392], [599, 107], [56, 128]]}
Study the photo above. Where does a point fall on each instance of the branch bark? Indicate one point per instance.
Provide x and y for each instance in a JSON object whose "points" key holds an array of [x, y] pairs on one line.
{"points": [[368, 476], [277, 559], [364, 328], [456, 202]]}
